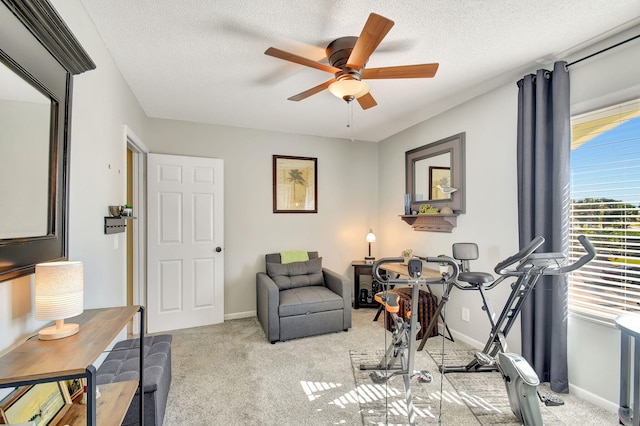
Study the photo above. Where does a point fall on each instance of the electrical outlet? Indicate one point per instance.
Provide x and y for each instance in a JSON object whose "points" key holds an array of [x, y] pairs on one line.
{"points": [[465, 314]]}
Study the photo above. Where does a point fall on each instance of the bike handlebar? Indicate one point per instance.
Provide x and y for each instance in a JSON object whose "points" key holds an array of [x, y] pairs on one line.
{"points": [[501, 268], [414, 267], [550, 261], [586, 258]]}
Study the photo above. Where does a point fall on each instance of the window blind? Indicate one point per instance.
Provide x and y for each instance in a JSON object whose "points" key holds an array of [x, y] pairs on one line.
{"points": [[605, 206]]}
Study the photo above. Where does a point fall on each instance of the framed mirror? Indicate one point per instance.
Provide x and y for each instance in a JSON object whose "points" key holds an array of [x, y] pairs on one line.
{"points": [[38, 57], [435, 174]]}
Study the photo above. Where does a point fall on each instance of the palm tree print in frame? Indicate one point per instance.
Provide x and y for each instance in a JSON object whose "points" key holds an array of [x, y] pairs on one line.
{"points": [[295, 184]]}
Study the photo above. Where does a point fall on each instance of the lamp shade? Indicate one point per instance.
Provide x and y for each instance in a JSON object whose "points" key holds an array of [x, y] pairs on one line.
{"points": [[348, 89], [59, 295], [371, 237]]}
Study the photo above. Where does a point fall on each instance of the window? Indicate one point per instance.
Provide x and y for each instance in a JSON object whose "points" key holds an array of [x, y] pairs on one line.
{"points": [[605, 206]]}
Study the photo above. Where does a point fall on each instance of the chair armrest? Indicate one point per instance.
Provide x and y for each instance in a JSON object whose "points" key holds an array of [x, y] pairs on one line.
{"points": [[267, 302], [337, 283], [341, 286]]}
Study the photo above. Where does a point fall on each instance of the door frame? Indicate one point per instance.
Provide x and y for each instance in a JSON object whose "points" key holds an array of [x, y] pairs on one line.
{"points": [[139, 151]]}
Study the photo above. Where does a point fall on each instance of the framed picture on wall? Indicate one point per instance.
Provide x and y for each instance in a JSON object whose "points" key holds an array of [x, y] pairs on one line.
{"points": [[295, 184]]}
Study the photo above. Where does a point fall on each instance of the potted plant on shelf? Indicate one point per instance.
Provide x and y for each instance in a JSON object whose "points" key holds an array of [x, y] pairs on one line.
{"points": [[444, 267], [406, 254]]}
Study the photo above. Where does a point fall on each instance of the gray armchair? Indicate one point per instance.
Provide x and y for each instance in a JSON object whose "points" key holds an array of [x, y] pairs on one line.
{"points": [[301, 299]]}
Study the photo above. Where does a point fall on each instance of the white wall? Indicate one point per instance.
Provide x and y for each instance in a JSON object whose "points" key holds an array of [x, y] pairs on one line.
{"points": [[489, 122], [102, 105], [490, 220], [347, 198]]}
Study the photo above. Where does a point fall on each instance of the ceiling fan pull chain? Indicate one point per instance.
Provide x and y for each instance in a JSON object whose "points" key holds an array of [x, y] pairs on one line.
{"points": [[350, 120]]}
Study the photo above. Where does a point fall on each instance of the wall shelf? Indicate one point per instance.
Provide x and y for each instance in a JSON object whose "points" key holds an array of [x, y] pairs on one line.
{"points": [[431, 222]]}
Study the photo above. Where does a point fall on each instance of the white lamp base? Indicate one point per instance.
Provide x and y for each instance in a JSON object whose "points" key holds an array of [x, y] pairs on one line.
{"points": [[368, 260], [58, 331]]}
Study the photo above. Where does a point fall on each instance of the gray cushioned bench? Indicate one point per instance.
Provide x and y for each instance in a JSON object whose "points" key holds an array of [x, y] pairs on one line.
{"points": [[123, 363]]}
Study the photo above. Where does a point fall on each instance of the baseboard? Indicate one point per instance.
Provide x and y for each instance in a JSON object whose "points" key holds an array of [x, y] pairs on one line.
{"points": [[594, 399], [240, 315], [462, 337], [611, 407]]}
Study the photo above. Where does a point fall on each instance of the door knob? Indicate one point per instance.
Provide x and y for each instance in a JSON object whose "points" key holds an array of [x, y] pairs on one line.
{"points": [[218, 249]]}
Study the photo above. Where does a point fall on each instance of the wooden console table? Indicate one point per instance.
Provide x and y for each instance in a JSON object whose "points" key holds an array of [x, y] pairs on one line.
{"points": [[36, 361]]}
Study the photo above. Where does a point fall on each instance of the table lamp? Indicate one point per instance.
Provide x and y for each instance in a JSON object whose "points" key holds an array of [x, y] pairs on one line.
{"points": [[371, 238], [59, 295]]}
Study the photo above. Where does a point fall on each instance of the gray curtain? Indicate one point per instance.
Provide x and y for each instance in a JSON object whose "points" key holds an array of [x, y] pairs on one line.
{"points": [[544, 142]]}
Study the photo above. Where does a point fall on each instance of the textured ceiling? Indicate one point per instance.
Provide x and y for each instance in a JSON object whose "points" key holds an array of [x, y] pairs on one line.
{"points": [[203, 60]]}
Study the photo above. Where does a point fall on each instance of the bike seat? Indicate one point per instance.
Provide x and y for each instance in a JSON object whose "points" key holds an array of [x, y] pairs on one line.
{"points": [[389, 300], [465, 252], [475, 278]]}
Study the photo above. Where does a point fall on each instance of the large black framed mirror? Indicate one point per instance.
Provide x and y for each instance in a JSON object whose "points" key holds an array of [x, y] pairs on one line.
{"points": [[435, 174], [38, 58]]}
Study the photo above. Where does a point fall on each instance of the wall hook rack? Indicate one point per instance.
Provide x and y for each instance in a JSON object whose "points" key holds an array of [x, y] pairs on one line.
{"points": [[114, 224]]}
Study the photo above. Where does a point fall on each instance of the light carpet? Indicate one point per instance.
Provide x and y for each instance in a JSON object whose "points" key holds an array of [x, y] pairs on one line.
{"points": [[385, 404], [229, 374], [454, 398]]}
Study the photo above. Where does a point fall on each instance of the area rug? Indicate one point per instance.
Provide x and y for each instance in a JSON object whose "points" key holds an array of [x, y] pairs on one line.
{"points": [[451, 399]]}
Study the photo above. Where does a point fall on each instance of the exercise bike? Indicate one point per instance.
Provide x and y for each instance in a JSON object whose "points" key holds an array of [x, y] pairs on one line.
{"points": [[403, 344], [520, 379], [529, 268]]}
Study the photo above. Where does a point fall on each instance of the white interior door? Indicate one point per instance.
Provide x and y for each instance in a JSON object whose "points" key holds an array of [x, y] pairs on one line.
{"points": [[185, 278]]}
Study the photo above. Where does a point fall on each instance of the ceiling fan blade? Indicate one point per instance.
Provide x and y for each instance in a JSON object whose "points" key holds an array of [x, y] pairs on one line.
{"points": [[375, 29], [367, 101], [312, 91], [281, 54], [403, 71]]}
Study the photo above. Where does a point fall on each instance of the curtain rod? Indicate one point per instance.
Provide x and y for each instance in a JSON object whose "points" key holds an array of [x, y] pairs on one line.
{"points": [[604, 50]]}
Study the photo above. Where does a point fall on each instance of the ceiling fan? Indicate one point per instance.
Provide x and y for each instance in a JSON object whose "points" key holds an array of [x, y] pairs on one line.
{"points": [[348, 57]]}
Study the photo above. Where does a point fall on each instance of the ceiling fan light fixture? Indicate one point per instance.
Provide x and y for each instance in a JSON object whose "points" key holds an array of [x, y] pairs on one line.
{"points": [[348, 89]]}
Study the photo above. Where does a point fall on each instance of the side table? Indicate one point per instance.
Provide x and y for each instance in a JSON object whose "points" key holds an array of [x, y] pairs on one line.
{"points": [[360, 268]]}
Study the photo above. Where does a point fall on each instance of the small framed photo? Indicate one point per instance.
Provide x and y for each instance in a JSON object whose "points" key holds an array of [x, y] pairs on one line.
{"points": [[439, 177], [74, 387], [295, 184], [43, 404]]}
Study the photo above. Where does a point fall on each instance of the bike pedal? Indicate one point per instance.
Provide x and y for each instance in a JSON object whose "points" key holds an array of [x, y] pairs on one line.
{"points": [[551, 400], [423, 376], [484, 359], [378, 378]]}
